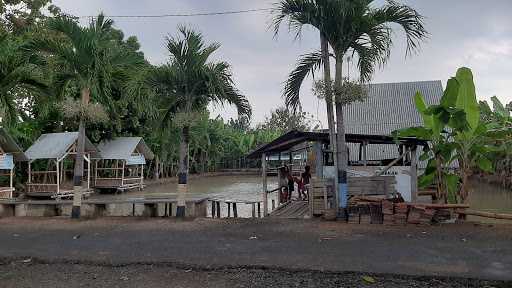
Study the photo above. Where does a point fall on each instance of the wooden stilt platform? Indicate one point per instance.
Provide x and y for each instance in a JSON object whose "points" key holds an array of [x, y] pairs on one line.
{"points": [[292, 210]]}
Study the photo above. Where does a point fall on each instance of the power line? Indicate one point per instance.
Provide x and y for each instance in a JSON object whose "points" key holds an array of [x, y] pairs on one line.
{"points": [[184, 14]]}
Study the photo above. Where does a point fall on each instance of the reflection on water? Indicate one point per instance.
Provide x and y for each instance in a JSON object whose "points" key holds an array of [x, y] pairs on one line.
{"points": [[483, 196], [221, 188], [491, 198]]}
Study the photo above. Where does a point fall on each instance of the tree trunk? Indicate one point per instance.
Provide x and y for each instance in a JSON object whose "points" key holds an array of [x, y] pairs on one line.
{"points": [[157, 169], [79, 161], [342, 152], [183, 172], [329, 103]]}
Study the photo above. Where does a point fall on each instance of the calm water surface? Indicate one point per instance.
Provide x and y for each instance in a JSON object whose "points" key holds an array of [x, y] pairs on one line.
{"points": [[490, 198], [483, 196], [222, 188]]}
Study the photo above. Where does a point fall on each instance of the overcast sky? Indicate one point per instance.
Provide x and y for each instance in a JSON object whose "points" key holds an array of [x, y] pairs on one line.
{"points": [[472, 33]]}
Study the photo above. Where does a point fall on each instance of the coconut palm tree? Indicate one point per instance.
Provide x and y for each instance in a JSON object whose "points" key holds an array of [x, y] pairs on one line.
{"points": [[86, 59], [356, 27], [187, 84], [17, 76]]}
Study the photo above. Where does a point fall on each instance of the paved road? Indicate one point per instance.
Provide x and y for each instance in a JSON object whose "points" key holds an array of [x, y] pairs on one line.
{"points": [[483, 252]]}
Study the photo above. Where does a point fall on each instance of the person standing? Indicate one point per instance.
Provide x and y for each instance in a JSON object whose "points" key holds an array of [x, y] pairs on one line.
{"points": [[304, 183], [283, 184]]}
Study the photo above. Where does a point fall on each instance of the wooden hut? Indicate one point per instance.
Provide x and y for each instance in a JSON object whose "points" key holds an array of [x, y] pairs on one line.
{"points": [[119, 164], [10, 153], [51, 165]]}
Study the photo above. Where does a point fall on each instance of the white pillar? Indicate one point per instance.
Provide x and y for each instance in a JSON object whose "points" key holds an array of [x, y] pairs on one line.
{"points": [[264, 175], [414, 174]]}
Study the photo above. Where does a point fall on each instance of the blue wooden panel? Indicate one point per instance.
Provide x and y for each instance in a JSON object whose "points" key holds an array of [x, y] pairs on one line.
{"points": [[136, 160], [6, 161]]}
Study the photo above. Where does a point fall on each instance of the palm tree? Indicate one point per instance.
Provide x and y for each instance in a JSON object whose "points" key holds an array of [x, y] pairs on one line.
{"points": [[86, 59], [17, 76], [186, 85], [350, 27]]}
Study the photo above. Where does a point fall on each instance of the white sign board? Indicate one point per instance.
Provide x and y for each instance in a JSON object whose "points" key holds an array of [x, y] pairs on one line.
{"points": [[136, 160], [401, 173], [6, 161]]}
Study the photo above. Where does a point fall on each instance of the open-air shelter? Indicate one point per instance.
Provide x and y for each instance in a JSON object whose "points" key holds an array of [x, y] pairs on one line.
{"points": [[119, 163], [367, 176], [51, 165], [10, 152]]}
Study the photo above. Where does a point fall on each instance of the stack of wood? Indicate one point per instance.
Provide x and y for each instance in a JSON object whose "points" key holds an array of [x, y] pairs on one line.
{"points": [[353, 214], [364, 214], [400, 216], [388, 210], [376, 210], [420, 215], [376, 216]]}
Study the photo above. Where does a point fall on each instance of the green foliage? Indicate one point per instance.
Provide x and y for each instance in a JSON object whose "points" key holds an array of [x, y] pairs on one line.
{"points": [[457, 138], [283, 120], [48, 59], [349, 92], [358, 28]]}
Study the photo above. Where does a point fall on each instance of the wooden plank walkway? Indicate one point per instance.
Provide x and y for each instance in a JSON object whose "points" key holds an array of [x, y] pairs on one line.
{"points": [[292, 210]]}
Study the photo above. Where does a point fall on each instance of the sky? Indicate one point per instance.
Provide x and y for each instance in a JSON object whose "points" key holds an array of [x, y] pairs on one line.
{"points": [[472, 33]]}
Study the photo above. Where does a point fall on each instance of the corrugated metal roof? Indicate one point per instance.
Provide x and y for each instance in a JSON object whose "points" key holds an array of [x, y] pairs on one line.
{"points": [[55, 145], [122, 148], [389, 106], [10, 146]]}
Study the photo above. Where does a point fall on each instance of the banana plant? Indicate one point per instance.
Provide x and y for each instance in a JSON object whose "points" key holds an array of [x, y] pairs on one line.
{"points": [[458, 140]]}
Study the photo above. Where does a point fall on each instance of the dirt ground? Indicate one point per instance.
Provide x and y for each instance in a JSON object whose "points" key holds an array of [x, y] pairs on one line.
{"points": [[19, 274], [138, 252]]}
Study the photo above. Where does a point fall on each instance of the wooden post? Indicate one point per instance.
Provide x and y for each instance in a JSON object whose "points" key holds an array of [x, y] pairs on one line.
{"points": [[253, 210], [273, 205], [235, 211], [259, 210], [365, 150], [141, 176], [89, 172], [229, 209], [319, 165], [414, 174], [11, 183], [213, 209], [264, 174], [96, 172], [29, 172], [122, 174], [218, 209], [57, 169]]}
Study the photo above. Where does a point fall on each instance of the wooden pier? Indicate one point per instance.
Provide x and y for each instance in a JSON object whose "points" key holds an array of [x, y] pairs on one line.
{"points": [[292, 210]]}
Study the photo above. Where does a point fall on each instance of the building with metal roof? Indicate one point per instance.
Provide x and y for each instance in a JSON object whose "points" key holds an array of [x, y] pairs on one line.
{"points": [[119, 163], [56, 146], [389, 106], [59, 150], [10, 152], [122, 148], [9, 146]]}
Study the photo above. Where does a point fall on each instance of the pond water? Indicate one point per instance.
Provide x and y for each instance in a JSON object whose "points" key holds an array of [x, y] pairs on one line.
{"points": [[483, 196], [221, 188], [491, 198]]}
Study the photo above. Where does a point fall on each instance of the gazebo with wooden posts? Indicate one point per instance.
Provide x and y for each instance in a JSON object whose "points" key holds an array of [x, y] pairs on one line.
{"points": [[366, 176], [119, 164], [10, 153], [51, 165]]}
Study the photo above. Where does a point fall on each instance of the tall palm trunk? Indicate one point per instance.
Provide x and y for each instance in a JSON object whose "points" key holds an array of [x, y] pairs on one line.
{"points": [[183, 171], [79, 161], [328, 100], [342, 152]]}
